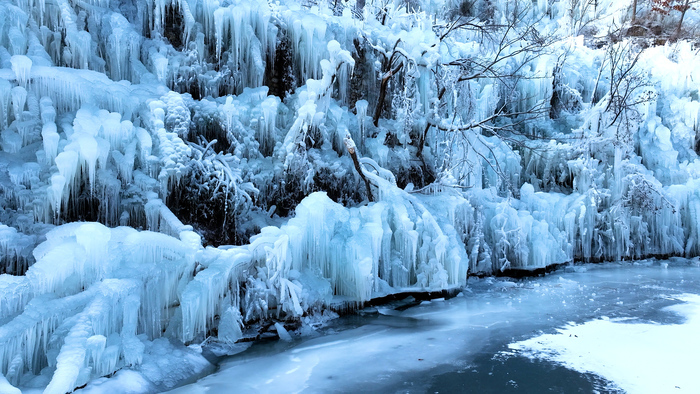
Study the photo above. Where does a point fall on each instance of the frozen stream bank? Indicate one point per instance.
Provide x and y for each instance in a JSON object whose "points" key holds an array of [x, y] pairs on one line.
{"points": [[462, 344]]}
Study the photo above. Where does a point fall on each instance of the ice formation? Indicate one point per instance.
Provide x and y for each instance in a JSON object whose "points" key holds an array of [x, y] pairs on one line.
{"points": [[349, 151]]}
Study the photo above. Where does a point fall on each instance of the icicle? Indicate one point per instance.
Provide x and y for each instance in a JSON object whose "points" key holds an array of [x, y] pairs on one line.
{"points": [[201, 299], [17, 40], [21, 66], [145, 144], [48, 113], [11, 141], [67, 163], [268, 125], [50, 137], [230, 113], [56, 193], [19, 99], [160, 65], [88, 152], [159, 15], [112, 129], [26, 127], [361, 110], [5, 100]]}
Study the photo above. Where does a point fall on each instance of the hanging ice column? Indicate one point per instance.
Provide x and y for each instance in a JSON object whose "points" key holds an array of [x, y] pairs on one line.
{"points": [[21, 66], [323, 238], [208, 295], [94, 136], [5, 100], [307, 32], [361, 109], [78, 41], [181, 6], [315, 99], [124, 49], [266, 135], [49, 132], [243, 30], [19, 99]]}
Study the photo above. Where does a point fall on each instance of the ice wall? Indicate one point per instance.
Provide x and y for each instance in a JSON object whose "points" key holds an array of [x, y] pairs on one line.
{"points": [[93, 289]]}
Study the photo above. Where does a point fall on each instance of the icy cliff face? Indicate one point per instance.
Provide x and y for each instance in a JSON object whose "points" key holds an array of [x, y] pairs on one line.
{"points": [[348, 150]]}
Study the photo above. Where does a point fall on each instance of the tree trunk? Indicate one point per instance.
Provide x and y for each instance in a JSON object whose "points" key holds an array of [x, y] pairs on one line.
{"points": [[634, 12], [382, 93], [424, 136], [350, 146], [686, 6]]}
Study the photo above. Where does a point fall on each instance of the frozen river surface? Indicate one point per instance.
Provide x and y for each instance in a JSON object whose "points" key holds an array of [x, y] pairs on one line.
{"points": [[605, 328]]}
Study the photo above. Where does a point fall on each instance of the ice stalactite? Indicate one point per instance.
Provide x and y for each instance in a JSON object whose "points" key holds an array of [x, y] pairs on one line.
{"points": [[15, 252], [182, 6], [145, 143], [48, 112], [538, 87], [361, 112], [125, 162], [67, 164], [88, 150], [315, 100], [78, 42], [358, 253], [93, 156], [124, 46], [19, 99], [51, 139], [70, 89], [5, 100], [17, 41], [243, 30], [207, 295], [21, 66], [307, 33], [268, 125], [159, 63]]}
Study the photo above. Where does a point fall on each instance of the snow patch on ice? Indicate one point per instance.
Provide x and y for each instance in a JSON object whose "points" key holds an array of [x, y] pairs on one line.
{"points": [[637, 357]]}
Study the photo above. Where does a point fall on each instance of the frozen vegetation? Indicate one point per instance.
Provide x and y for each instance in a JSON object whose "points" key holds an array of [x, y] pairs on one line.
{"points": [[180, 175]]}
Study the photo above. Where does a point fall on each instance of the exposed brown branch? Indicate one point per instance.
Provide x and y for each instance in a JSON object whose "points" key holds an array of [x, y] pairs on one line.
{"points": [[350, 146], [382, 92]]}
